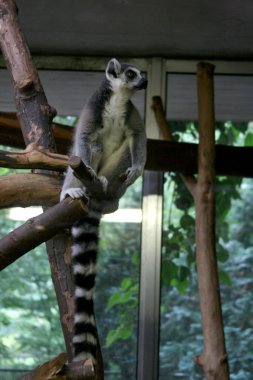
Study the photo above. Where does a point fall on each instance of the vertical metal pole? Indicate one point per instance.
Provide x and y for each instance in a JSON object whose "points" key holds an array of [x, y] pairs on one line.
{"points": [[149, 314]]}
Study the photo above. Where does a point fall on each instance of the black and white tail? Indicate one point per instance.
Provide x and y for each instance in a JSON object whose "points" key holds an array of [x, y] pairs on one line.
{"points": [[84, 256]]}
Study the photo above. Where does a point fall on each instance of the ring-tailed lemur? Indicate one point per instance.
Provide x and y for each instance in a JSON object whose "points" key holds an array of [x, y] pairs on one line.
{"points": [[110, 138]]}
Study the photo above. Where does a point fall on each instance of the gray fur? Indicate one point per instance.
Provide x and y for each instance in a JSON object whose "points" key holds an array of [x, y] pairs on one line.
{"points": [[110, 136]]}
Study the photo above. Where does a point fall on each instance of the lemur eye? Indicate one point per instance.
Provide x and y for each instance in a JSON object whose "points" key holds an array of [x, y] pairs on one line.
{"points": [[131, 74]]}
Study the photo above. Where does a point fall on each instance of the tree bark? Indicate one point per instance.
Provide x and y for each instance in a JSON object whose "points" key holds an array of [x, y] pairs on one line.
{"points": [[40, 229], [33, 157], [34, 114], [24, 190], [33, 111], [11, 135], [214, 358], [173, 156]]}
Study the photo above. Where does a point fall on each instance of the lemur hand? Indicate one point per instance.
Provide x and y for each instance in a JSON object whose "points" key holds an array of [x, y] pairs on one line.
{"points": [[132, 174]]}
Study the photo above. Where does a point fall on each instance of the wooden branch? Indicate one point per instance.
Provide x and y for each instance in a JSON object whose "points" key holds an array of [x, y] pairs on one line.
{"points": [[59, 254], [33, 111], [173, 156], [39, 229], [35, 116], [53, 369], [157, 106], [11, 134], [24, 190], [214, 359], [81, 171], [33, 157], [58, 369]]}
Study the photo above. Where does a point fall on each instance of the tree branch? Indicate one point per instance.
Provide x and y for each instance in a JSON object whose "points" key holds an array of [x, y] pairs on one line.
{"points": [[35, 116], [57, 369], [157, 106], [24, 190], [33, 111], [214, 359], [39, 229], [33, 157]]}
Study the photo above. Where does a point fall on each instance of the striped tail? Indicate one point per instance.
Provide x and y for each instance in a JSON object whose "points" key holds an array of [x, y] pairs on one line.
{"points": [[84, 256]]}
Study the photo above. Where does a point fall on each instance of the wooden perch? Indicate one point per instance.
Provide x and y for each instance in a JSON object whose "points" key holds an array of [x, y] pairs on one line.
{"points": [[214, 359], [114, 190], [35, 117], [58, 369], [33, 157], [11, 134], [33, 111], [157, 106], [173, 156], [82, 172], [39, 229], [24, 190]]}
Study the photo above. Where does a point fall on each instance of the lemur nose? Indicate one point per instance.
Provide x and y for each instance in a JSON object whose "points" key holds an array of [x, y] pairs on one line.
{"points": [[142, 84]]}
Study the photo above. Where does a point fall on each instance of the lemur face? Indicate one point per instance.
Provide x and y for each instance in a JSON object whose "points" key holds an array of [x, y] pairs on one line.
{"points": [[125, 76]]}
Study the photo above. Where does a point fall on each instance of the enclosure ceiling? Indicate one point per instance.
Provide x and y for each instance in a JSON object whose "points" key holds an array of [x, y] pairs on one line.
{"points": [[178, 29]]}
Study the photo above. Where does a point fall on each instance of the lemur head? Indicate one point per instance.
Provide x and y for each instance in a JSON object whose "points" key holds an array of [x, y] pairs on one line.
{"points": [[124, 76]]}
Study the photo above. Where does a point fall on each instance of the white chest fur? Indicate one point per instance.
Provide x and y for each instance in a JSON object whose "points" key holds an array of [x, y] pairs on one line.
{"points": [[114, 127]]}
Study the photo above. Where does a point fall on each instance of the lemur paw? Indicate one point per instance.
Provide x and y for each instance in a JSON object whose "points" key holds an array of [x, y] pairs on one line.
{"points": [[73, 192], [132, 174], [91, 171]]}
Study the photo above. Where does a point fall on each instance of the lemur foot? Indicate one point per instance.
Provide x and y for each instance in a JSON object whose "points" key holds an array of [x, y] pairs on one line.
{"points": [[73, 192]]}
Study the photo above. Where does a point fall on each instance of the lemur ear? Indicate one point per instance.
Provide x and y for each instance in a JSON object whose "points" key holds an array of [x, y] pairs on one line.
{"points": [[113, 69]]}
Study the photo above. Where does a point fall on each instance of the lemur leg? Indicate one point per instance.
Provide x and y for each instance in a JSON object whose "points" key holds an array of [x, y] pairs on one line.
{"points": [[113, 168]]}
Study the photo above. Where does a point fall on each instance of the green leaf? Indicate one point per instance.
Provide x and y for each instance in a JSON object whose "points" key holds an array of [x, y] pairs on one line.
{"points": [[183, 273], [222, 254], [224, 277], [248, 139], [169, 271], [121, 333], [186, 221], [126, 283], [118, 298]]}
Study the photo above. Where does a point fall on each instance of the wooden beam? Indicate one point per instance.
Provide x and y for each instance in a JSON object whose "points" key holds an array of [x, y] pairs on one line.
{"points": [[162, 155]]}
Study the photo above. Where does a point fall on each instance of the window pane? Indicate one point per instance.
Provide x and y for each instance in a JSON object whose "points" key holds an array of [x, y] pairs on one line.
{"points": [[233, 97], [66, 91], [117, 287]]}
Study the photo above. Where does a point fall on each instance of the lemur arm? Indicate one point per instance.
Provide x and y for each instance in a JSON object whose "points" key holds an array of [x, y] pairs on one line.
{"points": [[84, 135], [138, 147]]}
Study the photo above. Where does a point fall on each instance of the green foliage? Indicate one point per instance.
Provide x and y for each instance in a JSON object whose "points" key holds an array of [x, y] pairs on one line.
{"points": [[181, 335], [30, 329], [65, 120]]}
